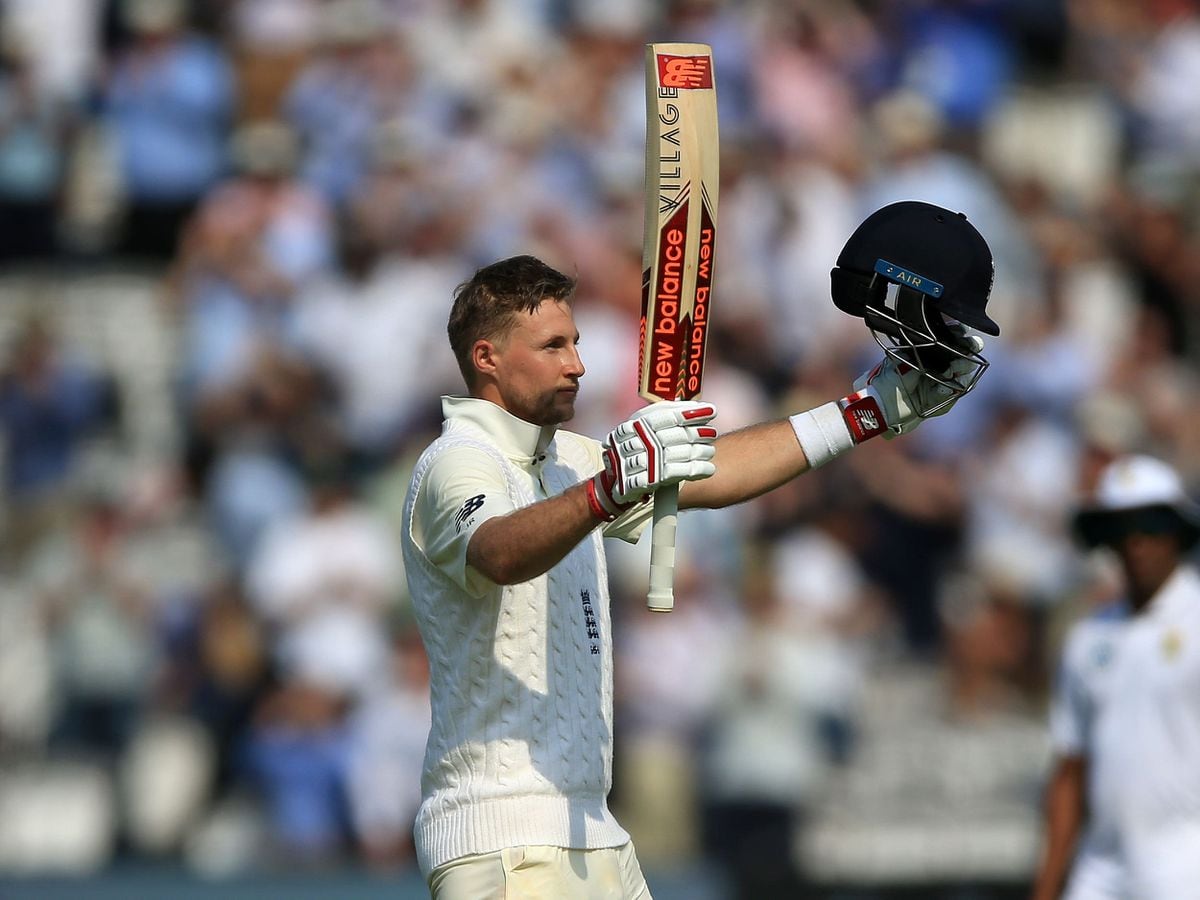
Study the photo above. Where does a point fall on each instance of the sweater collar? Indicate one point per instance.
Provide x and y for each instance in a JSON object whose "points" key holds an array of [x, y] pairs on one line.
{"points": [[515, 437]]}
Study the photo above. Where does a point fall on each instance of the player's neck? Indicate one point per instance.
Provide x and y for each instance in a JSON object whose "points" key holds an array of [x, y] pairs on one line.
{"points": [[1142, 591]]}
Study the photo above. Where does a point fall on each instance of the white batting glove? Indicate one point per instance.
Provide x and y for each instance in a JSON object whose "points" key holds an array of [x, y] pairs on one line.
{"points": [[659, 445], [890, 399], [903, 395]]}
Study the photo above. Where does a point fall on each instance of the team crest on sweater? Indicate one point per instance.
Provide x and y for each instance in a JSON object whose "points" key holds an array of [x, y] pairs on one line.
{"points": [[589, 620]]}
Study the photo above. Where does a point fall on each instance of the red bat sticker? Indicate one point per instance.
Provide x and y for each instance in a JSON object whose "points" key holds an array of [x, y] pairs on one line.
{"points": [[686, 72]]}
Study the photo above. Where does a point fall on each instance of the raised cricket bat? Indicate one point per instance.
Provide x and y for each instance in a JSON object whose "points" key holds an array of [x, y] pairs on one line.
{"points": [[677, 255]]}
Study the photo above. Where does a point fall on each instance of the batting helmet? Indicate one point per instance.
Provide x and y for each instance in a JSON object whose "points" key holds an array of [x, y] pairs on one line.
{"points": [[911, 270]]}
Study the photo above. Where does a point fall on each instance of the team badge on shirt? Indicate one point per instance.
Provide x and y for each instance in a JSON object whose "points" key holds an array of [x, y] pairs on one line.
{"points": [[589, 620], [1172, 644], [1102, 655]]}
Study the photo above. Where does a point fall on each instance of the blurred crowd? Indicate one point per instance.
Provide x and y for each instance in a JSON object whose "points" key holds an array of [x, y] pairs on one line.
{"points": [[206, 650]]}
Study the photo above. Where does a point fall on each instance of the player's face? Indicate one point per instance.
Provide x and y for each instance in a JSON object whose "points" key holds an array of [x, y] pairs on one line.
{"points": [[538, 366], [1148, 560]]}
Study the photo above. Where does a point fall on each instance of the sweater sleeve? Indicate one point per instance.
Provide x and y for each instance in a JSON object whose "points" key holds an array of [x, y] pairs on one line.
{"points": [[462, 489]]}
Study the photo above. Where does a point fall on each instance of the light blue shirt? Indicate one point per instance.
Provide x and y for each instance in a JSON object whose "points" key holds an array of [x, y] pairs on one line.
{"points": [[170, 114]]}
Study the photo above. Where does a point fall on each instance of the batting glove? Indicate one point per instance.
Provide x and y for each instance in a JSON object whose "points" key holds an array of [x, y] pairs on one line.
{"points": [[660, 445], [893, 398], [890, 399]]}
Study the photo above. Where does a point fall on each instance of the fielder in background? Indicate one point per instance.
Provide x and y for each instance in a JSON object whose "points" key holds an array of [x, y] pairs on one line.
{"points": [[503, 528], [1123, 804]]}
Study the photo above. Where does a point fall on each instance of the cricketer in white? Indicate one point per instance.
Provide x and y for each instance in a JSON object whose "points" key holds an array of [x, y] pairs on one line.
{"points": [[503, 549], [523, 670], [1124, 798]]}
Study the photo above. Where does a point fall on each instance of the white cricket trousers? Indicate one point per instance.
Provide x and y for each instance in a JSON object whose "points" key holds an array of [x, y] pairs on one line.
{"points": [[542, 873]]}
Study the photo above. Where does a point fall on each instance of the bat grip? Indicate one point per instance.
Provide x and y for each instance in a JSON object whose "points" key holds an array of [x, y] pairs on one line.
{"points": [[661, 597]]}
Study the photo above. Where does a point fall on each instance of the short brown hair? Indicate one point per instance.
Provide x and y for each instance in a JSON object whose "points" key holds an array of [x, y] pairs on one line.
{"points": [[485, 307]]}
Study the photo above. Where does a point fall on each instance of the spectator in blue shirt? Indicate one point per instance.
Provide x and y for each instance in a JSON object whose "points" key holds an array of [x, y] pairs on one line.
{"points": [[169, 102], [48, 404]]}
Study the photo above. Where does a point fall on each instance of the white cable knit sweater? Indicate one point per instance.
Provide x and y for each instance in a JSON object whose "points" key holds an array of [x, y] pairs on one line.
{"points": [[520, 751]]}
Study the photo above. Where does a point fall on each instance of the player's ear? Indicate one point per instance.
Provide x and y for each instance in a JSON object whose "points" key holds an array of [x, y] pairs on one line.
{"points": [[483, 357]]}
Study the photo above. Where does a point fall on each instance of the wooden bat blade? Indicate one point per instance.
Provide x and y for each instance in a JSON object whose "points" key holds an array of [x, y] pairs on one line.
{"points": [[677, 254]]}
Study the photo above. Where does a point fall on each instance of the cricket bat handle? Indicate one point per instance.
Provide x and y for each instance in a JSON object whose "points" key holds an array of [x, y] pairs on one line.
{"points": [[662, 549]]}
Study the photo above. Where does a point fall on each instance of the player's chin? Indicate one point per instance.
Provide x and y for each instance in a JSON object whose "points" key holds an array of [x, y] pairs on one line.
{"points": [[564, 405]]}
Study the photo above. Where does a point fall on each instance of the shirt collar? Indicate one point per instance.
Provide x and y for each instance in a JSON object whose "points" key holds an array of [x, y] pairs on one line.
{"points": [[515, 437]]}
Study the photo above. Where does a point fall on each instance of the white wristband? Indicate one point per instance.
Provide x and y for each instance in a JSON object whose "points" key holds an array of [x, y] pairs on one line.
{"points": [[822, 433]]}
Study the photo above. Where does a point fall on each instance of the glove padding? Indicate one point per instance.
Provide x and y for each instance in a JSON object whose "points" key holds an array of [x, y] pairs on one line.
{"points": [[659, 445], [893, 398]]}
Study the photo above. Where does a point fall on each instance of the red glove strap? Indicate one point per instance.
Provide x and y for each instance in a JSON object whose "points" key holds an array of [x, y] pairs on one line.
{"points": [[863, 416], [597, 507]]}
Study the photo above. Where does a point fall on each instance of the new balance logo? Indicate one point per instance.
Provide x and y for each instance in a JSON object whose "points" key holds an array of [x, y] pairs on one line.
{"points": [[686, 72], [463, 516], [863, 416], [867, 420]]}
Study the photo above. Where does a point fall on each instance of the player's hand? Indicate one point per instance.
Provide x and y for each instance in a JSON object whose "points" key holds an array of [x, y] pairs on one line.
{"points": [[659, 445], [894, 398]]}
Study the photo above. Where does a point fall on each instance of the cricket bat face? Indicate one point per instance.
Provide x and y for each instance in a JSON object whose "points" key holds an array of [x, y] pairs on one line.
{"points": [[681, 219], [677, 256]]}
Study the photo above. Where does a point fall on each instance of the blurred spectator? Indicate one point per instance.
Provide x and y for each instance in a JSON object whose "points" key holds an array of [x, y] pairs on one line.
{"points": [[387, 749], [252, 405], [61, 39], [101, 617], [218, 672], [665, 685], [815, 208], [361, 76], [322, 584], [1162, 386], [804, 99], [169, 100], [246, 446], [778, 704], [33, 131], [49, 405], [252, 244], [916, 509], [324, 581], [376, 326], [1154, 236], [824, 592], [463, 45], [1015, 537], [295, 756], [1164, 113], [271, 40], [957, 56], [992, 667]]}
